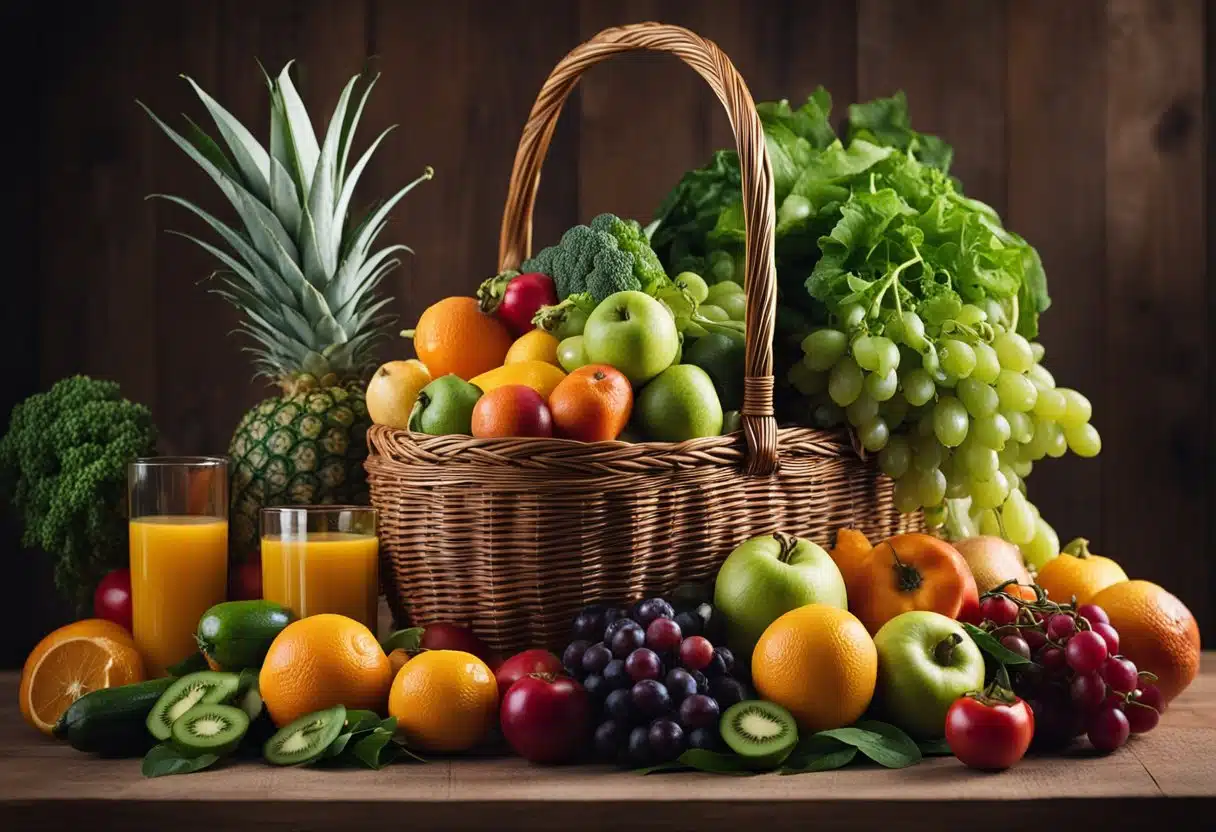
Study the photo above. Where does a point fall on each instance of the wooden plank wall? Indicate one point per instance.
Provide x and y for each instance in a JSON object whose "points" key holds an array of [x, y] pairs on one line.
{"points": [[1084, 123]]}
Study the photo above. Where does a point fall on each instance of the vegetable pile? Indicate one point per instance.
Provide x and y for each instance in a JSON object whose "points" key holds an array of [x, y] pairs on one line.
{"points": [[905, 310]]}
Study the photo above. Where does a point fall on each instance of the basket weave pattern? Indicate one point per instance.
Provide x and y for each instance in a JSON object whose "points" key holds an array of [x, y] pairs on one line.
{"points": [[512, 536]]}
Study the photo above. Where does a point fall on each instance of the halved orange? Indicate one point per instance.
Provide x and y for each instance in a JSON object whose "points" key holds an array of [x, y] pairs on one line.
{"points": [[71, 662]]}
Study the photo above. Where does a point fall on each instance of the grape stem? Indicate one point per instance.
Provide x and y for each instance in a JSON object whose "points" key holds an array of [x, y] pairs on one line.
{"points": [[890, 279]]}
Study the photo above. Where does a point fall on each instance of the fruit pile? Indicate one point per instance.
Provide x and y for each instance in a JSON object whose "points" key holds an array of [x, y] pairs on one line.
{"points": [[657, 684]]}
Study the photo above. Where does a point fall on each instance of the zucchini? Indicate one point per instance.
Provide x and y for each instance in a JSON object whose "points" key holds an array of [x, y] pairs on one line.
{"points": [[110, 721]]}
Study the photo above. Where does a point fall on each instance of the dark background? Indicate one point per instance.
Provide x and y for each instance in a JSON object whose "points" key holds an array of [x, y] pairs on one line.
{"points": [[1083, 122]]}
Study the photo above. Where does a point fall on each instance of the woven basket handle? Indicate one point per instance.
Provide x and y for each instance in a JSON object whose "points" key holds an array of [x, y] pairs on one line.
{"points": [[704, 56]]}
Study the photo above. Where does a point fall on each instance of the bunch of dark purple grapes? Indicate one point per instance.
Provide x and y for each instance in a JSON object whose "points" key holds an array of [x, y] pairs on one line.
{"points": [[658, 685]]}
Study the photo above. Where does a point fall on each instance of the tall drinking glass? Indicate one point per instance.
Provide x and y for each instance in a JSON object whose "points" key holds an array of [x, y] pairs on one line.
{"points": [[319, 559], [179, 551]]}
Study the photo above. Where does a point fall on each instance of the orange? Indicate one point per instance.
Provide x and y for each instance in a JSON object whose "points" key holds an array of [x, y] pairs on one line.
{"points": [[1077, 572], [513, 410], [592, 404], [541, 376], [819, 663], [455, 336], [536, 345], [444, 700], [73, 660], [850, 551], [1156, 631], [322, 661], [393, 390]]}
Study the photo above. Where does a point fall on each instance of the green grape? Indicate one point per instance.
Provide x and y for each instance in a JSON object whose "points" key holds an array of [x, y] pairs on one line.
{"points": [[935, 516], [681, 307], [1038, 351], [1083, 440], [1077, 409], [906, 500], [851, 316], [865, 353], [1013, 351], [918, 386], [988, 523], [887, 354], [1041, 377], [912, 329], [874, 434], [1050, 404], [1023, 468], [863, 409], [823, 348], [1015, 391], [924, 422], [950, 421], [894, 411], [693, 283], [1017, 519], [722, 290], [882, 387], [979, 398], [713, 312], [989, 493], [845, 381], [991, 431], [1044, 546], [993, 309], [827, 415], [806, 381], [987, 365], [979, 461], [957, 358], [1011, 477], [1021, 426], [895, 459], [1057, 445], [930, 361], [970, 315], [735, 306], [957, 488], [927, 453], [1036, 448], [930, 487]]}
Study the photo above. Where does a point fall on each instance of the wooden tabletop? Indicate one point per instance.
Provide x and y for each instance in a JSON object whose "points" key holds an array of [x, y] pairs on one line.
{"points": [[1168, 776]]}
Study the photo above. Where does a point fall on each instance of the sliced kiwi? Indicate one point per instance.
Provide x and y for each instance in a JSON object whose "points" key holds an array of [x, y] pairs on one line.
{"points": [[305, 739], [762, 733], [203, 688], [209, 729]]}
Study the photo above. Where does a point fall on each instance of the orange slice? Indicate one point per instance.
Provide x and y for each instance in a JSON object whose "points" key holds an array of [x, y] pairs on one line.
{"points": [[71, 668]]}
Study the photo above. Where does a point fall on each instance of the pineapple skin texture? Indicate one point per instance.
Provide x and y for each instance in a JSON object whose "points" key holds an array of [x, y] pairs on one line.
{"points": [[307, 448]]}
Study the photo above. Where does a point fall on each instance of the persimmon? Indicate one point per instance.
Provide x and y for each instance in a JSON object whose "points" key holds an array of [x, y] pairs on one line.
{"points": [[913, 572], [850, 552]]}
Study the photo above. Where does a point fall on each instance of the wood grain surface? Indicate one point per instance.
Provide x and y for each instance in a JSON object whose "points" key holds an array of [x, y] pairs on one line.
{"points": [[1168, 776]]}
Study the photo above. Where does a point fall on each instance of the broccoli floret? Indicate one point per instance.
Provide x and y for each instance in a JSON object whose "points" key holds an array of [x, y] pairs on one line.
{"points": [[63, 466], [610, 255]]}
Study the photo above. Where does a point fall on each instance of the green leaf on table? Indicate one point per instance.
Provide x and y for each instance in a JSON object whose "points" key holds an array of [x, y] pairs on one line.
{"points": [[358, 721], [699, 759], [823, 760], [409, 639], [883, 743], [935, 748], [994, 648], [368, 751], [191, 664], [165, 759]]}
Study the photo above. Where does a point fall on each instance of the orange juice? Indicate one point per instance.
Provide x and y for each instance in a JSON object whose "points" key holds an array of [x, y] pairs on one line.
{"points": [[179, 569], [333, 572]]}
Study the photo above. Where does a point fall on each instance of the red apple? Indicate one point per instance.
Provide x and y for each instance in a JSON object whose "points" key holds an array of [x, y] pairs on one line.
{"points": [[522, 664], [546, 718], [445, 636], [245, 581], [512, 410], [112, 598]]}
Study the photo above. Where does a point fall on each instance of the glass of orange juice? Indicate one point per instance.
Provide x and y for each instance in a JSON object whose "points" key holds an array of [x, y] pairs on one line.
{"points": [[179, 552], [319, 559]]}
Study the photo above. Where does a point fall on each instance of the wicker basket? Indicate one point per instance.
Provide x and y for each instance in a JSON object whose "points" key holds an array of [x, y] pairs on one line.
{"points": [[513, 535]]}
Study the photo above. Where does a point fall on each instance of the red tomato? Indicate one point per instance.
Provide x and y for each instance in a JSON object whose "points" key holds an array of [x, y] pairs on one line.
{"points": [[546, 718], [988, 732], [112, 598], [525, 663]]}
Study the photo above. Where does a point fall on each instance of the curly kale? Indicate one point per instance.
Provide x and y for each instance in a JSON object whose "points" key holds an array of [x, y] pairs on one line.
{"points": [[611, 255], [63, 465]]}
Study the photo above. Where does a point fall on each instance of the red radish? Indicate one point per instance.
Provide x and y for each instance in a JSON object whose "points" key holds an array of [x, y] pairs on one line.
{"points": [[525, 663], [112, 598], [445, 636], [515, 298], [245, 582], [546, 718]]}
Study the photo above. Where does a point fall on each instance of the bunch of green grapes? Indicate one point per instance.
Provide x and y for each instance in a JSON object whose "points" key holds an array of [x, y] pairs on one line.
{"points": [[689, 297], [960, 411]]}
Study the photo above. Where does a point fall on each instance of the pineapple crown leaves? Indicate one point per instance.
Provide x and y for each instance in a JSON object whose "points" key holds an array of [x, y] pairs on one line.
{"points": [[299, 268]]}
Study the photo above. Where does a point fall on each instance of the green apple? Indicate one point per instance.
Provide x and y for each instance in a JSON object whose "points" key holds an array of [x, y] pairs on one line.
{"points": [[571, 354], [766, 577], [680, 404], [634, 333], [445, 406], [925, 662]]}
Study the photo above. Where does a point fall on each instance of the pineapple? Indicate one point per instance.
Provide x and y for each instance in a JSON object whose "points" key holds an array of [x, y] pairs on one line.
{"points": [[305, 277]]}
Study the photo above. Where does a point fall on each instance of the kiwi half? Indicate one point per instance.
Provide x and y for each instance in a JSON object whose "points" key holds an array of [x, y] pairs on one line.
{"points": [[203, 688], [209, 729], [305, 739], [762, 733]]}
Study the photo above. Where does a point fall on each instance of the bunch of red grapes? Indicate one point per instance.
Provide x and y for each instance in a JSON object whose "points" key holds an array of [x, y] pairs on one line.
{"points": [[1079, 683], [657, 684]]}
